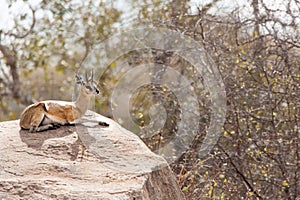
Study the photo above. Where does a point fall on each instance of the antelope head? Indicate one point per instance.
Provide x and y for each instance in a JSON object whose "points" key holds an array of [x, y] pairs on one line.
{"points": [[88, 86]]}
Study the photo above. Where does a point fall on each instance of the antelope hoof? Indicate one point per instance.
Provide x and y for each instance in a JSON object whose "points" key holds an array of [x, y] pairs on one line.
{"points": [[103, 124], [55, 125], [33, 129]]}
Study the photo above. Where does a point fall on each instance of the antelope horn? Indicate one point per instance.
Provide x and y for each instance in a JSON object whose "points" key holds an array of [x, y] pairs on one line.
{"points": [[86, 77], [91, 79]]}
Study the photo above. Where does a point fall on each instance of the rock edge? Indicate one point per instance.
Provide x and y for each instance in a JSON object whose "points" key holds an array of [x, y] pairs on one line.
{"points": [[86, 161]]}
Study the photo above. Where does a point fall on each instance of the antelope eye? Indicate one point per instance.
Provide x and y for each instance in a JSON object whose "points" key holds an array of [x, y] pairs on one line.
{"points": [[88, 87]]}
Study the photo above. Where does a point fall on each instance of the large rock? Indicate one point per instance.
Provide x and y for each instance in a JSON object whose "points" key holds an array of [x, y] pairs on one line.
{"points": [[86, 161]]}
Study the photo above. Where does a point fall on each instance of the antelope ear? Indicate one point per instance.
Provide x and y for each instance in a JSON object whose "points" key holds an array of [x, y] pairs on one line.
{"points": [[78, 79]]}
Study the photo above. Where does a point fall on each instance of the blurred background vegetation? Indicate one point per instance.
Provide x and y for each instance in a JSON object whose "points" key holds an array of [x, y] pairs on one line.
{"points": [[254, 44]]}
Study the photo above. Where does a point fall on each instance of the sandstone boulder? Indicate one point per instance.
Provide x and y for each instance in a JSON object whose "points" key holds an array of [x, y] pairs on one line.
{"points": [[86, 161]]}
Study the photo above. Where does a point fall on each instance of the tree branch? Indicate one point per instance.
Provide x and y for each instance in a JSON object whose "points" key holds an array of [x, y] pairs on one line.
{"points": [[30, 29], [9, 57], [243, 177]]}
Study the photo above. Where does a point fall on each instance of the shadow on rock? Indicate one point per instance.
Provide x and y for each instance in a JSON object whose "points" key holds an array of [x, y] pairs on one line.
{"points": [[73, 140]]}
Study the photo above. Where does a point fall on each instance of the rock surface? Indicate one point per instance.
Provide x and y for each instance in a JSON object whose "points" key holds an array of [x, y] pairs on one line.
{"points": [[86, 161]]}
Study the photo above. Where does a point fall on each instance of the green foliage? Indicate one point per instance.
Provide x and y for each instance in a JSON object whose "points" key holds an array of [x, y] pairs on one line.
{"points": [[58, 43]]}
